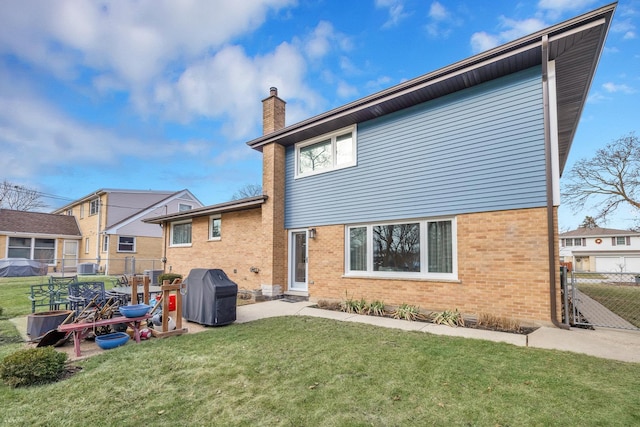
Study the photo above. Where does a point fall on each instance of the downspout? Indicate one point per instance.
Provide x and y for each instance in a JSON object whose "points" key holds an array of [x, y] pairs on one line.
{"points": [[551, 236], [98, 233]]}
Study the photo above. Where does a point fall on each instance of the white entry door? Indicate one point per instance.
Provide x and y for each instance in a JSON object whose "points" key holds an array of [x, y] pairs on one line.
{"points": [[70, 254], [298, 261]]}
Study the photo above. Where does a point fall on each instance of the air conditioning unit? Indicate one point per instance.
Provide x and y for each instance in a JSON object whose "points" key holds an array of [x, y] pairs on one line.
{"points": [[153, 275], [87, 268]]}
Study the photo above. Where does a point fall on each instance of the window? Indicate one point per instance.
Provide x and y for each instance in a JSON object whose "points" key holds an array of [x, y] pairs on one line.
{"points": [[327, 153], [126, 244], [82, 210], [577, 242], [422, 248], [19, 247], [105, 243], [184, 207], [69, 212], [86, 245], [42, 250], [621, 240], [181, 234], [94, 205], [215, 227]]}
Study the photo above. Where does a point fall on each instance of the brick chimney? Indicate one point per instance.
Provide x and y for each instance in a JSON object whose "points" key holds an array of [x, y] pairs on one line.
{"points": [[274, 266], [272, 112]]}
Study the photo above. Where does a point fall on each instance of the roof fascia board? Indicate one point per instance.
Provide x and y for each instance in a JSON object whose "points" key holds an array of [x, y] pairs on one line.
{"points": [[245, 204], [40, 235]]}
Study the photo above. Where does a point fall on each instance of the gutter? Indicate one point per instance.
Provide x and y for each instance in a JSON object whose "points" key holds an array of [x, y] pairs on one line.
{"points": [[551, 238]]}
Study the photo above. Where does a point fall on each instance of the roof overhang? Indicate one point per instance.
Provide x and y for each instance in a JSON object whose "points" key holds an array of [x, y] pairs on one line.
{"points": [[232, 206], [575, 46]]}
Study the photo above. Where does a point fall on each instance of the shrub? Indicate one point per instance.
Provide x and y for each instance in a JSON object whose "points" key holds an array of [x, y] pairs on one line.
{"points": [[32, 366], [452, 318], [407, 312], [169, 276], [376, 308], [500, 323], [1, 311], [349, 305], [329, 305]]}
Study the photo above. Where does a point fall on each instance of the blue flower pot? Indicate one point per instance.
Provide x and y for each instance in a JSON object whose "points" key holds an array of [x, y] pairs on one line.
{"points": [[136, 310], [109, 341]]}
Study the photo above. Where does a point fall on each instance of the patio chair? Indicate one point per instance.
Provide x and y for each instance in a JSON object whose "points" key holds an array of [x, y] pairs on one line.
{"points": [[81, 293]]}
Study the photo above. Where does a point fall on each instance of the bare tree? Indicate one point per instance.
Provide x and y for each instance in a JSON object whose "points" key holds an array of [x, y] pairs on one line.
{"points": [[19, 198], [248, 190], [609, 179]]}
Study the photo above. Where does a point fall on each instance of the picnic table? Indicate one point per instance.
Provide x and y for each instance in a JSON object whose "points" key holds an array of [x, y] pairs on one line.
{"points": [[80, 330]]}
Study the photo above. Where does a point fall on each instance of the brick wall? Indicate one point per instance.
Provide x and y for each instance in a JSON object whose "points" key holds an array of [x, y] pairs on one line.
{"points": [[273, 232], [239, 248], [503, 269]]}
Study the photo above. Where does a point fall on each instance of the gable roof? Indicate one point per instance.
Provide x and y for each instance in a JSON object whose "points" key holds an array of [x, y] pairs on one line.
{"points": [[102, 191], [37, 223], [113, 228], [598, 232], [575, 46]]}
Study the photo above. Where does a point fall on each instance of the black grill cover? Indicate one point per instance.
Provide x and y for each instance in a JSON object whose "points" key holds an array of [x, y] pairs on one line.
{"points": [[211, 297]]}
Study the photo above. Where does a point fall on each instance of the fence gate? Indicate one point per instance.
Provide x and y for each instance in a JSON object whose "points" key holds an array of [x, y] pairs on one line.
{"points": [[609, 300]]}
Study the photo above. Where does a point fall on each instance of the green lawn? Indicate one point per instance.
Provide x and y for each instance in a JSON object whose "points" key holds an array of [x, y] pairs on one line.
{"points": [[299, 371], [622, 300]]}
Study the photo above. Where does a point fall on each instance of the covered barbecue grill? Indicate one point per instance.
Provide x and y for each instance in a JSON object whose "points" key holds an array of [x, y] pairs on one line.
{"points": [[210, 298]]}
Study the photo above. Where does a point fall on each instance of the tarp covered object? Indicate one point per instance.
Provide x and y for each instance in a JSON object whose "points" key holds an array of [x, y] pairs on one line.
{"points": [[210, 298], [22, 267]]}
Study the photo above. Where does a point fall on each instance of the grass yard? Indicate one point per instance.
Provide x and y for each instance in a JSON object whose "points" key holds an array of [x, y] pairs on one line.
{"points": [[300, 371], [622, 300]]}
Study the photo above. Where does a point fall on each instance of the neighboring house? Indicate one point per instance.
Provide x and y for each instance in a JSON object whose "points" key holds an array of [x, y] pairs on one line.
{"points": [[113, 233], [37, 236], [440, 192], [601, 250]]}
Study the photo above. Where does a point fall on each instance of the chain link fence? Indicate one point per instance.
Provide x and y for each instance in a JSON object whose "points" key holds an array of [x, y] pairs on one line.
{"points": [[604, 299], [113, 267]]}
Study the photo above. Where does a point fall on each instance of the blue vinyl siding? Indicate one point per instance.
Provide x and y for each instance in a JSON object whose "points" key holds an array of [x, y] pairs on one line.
{"points": [[478, 150]]}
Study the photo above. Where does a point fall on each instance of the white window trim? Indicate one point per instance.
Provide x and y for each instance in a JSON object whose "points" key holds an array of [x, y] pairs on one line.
{"points": [[332, 136], [187, 207], [180, 245], [370, 273], [211, 218], [87, 246], [97, 205], [105, 243], [134, 244]]}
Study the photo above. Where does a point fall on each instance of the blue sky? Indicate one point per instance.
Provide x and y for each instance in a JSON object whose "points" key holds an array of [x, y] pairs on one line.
{"points": [[163, 95]]}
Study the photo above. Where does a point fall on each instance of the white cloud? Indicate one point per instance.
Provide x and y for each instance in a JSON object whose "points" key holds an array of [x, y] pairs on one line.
{"points": [[34, 133], [438, 12], [555, 8], [131, 42], [512, 29], [483, 41], [395, 9], [441, 21], [230, 85], [345, 90], [614, 88]]}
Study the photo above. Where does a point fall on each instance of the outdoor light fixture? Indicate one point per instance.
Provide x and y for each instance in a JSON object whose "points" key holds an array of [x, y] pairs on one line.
{"points": [[312, 233]]}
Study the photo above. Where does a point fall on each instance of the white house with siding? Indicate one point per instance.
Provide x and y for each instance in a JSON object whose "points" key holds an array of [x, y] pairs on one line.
{"points": [[601, 250]]}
